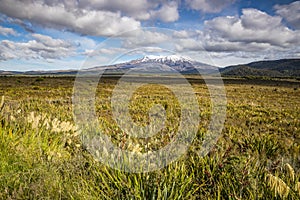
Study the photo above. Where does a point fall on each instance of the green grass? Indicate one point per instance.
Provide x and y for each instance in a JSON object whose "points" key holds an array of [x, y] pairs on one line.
{"points": [[257, 156]]}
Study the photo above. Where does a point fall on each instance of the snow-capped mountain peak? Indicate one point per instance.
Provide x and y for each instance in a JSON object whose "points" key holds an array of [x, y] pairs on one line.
{"points": [[164, 59], [179, 63]]}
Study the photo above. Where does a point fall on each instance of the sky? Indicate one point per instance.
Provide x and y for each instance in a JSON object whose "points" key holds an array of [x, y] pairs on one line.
{"points": [[74, 34]]}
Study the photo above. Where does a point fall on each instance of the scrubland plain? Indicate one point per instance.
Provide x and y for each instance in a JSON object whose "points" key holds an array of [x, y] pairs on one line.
{"points": [[256, 157]]}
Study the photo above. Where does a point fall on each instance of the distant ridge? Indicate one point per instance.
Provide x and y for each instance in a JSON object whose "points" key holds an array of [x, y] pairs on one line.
{"points": [[185, 65], [270, 68]]}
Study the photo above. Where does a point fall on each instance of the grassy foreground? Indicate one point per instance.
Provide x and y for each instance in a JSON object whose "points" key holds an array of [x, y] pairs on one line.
{"points": [[42, 157]]}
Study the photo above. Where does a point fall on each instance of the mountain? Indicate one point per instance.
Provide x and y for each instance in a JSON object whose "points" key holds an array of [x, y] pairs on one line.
{"points": [[157, 64], [147, 64], [184, 65], [161, 64], [270, 68]]}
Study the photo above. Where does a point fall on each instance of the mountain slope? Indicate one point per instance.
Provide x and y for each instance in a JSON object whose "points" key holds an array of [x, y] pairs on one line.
{"points": [[271, 68]]}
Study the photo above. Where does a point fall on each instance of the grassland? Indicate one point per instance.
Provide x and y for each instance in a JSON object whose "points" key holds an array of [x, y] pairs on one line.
{"points": [[257, 157]]}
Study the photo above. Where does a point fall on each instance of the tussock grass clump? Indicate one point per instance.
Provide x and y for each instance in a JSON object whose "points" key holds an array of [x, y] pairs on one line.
{"points": [[278, 185]]}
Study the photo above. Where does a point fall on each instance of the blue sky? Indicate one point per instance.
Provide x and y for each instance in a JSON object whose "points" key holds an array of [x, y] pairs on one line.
{"points": [[66, 34]]}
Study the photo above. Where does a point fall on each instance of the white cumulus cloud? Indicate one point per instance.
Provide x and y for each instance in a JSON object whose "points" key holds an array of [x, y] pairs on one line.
{"points": [[60, 16], [7, 31], [40, 47], [253, 26], [209, 6], [90, 17], [167, 13], [290, 12]]}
